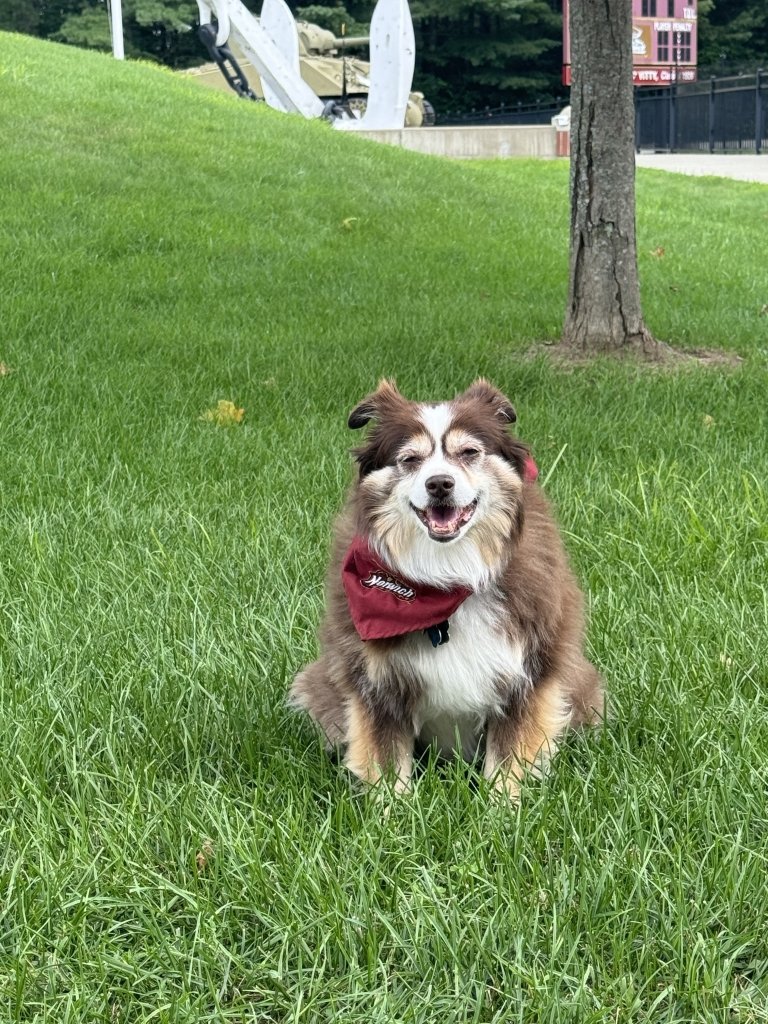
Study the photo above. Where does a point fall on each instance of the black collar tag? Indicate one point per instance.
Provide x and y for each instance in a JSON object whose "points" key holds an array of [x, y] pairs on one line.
{"points": [[438, 634]]}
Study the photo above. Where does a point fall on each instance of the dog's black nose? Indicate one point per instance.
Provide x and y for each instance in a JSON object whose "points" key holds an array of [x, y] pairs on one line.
{"points": [[439, 486]]}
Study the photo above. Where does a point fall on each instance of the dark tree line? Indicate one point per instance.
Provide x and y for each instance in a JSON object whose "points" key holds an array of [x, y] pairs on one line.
{"points": [[160, 30], [469, 53], [472, 53], [733, 36]]}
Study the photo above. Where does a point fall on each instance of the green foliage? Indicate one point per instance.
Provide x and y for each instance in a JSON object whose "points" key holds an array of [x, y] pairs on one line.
{"points": [[53, 13], [488, 52], [90, 28], [335, 19], [472, 54], [733, 36], [469, 53], [20, 16], [176, 847], [161, 30]]}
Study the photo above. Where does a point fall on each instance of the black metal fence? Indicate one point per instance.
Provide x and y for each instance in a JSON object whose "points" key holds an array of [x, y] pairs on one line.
{"points": [[716, 115], [520, 113]]}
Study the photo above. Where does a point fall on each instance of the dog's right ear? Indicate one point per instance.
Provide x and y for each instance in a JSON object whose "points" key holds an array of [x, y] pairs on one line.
{"points": [[372, 406], [485, 392]]}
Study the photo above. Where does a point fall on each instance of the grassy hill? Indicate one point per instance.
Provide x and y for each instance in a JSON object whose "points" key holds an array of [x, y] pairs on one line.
{"points": [[175, 846]]}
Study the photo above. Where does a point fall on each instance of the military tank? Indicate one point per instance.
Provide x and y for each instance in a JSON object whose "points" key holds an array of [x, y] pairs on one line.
{"points": [[333, 74], [329, 70]]}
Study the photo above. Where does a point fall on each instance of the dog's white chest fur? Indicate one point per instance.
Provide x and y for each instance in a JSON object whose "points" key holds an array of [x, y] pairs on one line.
{"points": [[463, 680]]}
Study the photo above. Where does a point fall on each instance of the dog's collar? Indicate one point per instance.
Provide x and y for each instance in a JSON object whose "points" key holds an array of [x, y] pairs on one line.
{"points": [[384, 604]]}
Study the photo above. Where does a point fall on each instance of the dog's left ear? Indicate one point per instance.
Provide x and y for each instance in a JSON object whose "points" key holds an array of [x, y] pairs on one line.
{"points": [[372, 406], [483, 391]]}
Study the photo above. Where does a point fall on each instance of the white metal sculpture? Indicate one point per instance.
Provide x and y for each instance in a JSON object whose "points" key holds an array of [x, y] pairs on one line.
{"points": [[271, 44], [393, 58], [289, 91], [278, 22]]}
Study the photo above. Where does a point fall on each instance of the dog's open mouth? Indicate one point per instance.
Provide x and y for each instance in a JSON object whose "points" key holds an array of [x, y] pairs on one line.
{"points": [[445, 521]]}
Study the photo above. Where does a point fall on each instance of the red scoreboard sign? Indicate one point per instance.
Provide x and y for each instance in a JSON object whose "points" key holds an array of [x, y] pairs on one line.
{"points": [[663, 41]]}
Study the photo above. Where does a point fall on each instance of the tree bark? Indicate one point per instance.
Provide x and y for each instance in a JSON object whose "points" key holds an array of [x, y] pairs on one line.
{"points": [[603, 312]]}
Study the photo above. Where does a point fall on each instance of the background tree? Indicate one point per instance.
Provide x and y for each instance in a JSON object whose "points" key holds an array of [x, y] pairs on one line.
{"points": [[469, 53], [487, 52], [161, 30], [603, 311], [733, 36], [89, 27], [474, 53], [20, 16], [333, 18]]}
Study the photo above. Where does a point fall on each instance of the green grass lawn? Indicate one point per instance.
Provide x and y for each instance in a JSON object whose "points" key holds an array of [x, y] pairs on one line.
{"points": [[174, 845]]}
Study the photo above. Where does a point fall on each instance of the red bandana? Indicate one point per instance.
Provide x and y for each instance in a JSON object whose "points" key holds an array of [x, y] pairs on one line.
{"points": [[383, 604], [530, 470]]}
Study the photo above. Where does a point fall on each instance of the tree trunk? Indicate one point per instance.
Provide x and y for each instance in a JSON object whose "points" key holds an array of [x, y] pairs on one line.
{"points": [[603, 312]]}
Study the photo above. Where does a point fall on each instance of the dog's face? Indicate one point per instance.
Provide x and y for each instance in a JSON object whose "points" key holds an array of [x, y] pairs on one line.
{"points": [[439, 476]]}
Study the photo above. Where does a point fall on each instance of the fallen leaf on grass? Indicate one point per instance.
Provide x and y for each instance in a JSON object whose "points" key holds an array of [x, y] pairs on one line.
{"points": [[5, 369], [708, 421], [348, 223], [658, 252], [223, 414], [204, 855], [763, 312]]}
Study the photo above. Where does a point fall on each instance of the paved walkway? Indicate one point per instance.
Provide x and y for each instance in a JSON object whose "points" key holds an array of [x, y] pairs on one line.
{"points": [[746, 167]]}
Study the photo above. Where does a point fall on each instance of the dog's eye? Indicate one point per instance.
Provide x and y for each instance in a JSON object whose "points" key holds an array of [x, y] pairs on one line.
{"points": [[409, 460], [469, 453]]}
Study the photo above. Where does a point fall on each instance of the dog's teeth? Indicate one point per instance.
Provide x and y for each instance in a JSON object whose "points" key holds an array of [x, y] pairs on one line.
{"points": [[445, 520]]}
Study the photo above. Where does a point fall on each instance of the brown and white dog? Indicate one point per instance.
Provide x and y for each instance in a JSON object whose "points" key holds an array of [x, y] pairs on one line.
{"points": [[452, 616]]}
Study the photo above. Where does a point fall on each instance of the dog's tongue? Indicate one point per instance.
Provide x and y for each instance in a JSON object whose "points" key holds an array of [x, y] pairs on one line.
{"points": [[442, 515], [443, 518]]}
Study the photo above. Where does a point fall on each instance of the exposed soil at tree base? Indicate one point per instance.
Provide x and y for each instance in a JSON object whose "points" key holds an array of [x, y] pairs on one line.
{"points": [[654, 355]]}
